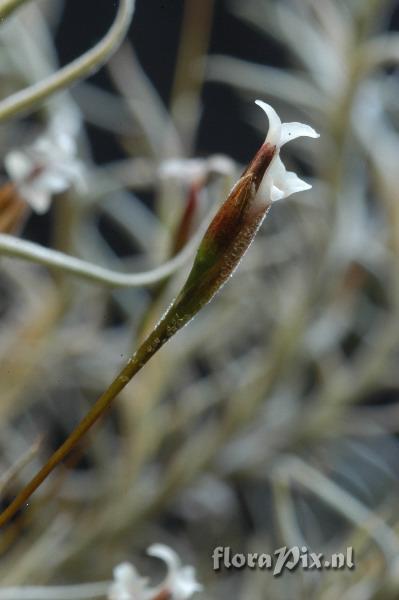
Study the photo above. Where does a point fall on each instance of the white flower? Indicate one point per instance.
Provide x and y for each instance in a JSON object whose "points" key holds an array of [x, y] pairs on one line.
{"points": [[179, 583], [49, 166], [277, 182], [127, 584]]}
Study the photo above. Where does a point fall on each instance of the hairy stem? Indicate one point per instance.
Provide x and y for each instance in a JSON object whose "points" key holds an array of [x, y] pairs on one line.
{"points": [[159, 336]]}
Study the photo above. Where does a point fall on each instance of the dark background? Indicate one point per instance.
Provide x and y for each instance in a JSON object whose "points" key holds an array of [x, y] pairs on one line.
{"points": [[155, 35]]}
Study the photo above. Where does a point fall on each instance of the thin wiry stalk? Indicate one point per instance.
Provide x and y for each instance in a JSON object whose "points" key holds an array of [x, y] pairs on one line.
{"points": [[346, 504], [83, 66], [190, 68], [23, 249], [7, 7], [272, 351], [225, 241], [9, 476]]}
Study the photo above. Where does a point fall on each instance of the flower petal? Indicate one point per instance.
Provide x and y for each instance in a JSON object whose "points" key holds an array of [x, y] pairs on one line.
{"points": [[274, 134], [127, 584], [276, 194], [46, 167], [180, 581], [278, 183], [166, 554], [291, 131], [38, 198], [294, 184], [18, 165], [53, 182], [185, 584]]}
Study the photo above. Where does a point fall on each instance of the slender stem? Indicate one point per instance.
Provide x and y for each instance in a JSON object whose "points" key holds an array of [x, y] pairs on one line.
{"points": [[77, 69], [15, 247], [165, 329], [11, 474], [343, 502], [190, 68], [8, 6], [98, 409]]}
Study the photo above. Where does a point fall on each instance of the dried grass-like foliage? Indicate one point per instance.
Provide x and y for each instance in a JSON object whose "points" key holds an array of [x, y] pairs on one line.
{"points": [[272, 419]]}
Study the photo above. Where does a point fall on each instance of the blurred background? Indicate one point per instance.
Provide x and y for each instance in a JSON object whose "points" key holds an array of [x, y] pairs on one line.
{"points": [[273, 418]]}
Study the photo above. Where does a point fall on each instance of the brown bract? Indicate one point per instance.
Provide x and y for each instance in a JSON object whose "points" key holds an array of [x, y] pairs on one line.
{"points": [[261, 161], [13, 209], [228, 219], [185, 226]]}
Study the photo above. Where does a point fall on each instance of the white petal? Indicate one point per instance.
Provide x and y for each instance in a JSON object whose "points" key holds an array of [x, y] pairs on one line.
{"points": [[294, 184], [274, 134], [277, 170], [53, 182], [291, 131], [125, 573], [180, 581], [276, 194], [66, 144], [44, 147], [127, 584], [38, 198], [18, 165], [185, 584], [264, 194], [286, 181], [278, 183], [166, 554]]}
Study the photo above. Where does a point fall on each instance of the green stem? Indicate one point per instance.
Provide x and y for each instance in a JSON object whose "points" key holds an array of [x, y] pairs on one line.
{"points": [[226, 240], [165, 329]]}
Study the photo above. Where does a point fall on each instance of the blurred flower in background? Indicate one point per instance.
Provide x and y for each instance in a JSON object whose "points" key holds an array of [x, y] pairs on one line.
{"points": [[179, 583], [46, 167], [273, 418]]}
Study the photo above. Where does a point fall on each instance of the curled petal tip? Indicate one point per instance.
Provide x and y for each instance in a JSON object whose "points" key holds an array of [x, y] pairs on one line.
{"points": [[274, 133], [292, 131]]}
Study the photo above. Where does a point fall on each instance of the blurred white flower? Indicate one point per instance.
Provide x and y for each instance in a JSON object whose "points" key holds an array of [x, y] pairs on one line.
{"points": [[179, 583], [49, 166], [277, 182], [127, 584], [194, 170]]}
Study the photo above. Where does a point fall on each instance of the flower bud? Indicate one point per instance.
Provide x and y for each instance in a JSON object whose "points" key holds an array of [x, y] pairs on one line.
{"points": [[232, 230]]}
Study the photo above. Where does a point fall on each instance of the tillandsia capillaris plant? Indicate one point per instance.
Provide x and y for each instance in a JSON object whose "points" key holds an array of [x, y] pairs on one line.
{"points": [[226, 240]]}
